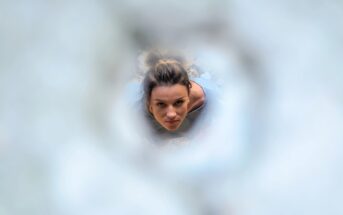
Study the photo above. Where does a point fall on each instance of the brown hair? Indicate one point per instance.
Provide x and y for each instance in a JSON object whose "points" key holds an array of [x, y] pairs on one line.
{"points": [[164, 70]]}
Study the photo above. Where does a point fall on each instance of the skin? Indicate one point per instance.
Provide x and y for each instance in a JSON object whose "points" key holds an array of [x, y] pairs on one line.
{"points": [[170, 104]]}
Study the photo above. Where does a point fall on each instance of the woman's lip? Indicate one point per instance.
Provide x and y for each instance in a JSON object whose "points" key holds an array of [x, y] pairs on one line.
{"points": [[172, 121]]}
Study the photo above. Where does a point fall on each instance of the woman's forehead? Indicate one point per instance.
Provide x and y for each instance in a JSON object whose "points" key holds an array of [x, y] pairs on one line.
{"points": [[168, 93]]}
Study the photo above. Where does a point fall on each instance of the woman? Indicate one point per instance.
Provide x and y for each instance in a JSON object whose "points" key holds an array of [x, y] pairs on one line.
{"points": [[173, 104]]}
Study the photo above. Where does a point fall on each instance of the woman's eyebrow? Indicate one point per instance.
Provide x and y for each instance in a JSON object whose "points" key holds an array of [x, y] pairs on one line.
{"points": [[161, 100], [180, 98]]}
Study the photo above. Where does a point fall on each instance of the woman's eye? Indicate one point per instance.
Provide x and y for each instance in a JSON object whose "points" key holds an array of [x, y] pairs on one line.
{"points": [[160, 104], [179, 103]]}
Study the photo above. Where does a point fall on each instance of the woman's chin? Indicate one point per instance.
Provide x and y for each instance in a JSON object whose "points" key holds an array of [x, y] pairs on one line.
{"points": [[172, 129]]}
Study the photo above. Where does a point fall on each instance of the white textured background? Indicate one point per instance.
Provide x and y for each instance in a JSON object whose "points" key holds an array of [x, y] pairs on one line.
{"points": [[68, 144]]}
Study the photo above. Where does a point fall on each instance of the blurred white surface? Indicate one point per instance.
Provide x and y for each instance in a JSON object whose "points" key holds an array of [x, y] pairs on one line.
{"points": [[65, 148]]}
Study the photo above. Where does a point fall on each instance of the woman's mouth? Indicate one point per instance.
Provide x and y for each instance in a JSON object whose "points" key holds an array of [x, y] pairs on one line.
{"points": [[172, 122]]}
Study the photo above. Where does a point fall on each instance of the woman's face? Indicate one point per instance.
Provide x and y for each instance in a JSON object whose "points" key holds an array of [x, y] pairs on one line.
{"points": [[169, 105]]}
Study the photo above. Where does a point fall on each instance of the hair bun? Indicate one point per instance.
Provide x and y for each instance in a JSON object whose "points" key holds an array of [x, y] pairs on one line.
{"points": [[153, 58], [148, 60]]}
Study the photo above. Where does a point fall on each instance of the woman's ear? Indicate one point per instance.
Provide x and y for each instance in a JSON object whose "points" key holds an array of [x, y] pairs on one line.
{"points": [[149, 107]]}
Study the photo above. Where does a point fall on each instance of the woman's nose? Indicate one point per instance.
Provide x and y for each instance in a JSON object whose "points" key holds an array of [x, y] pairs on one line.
{"points": [[171, 113]]}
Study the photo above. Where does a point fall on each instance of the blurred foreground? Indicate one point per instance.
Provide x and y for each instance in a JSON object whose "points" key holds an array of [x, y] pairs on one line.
{"points": [[69, 145]]}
